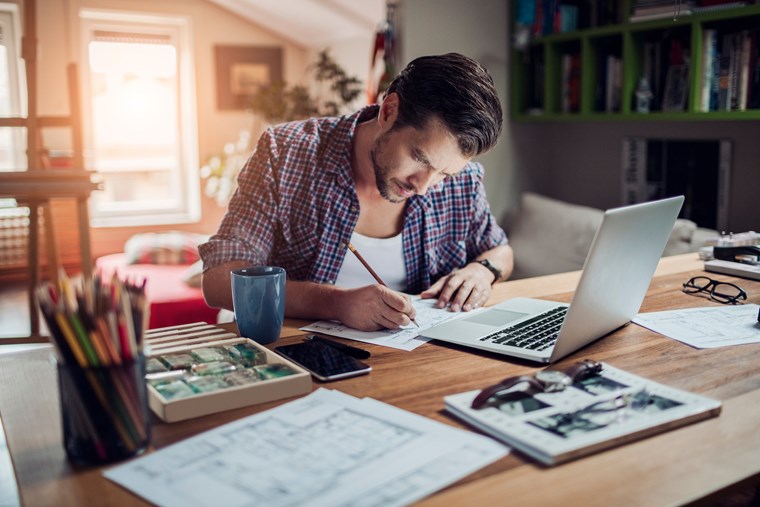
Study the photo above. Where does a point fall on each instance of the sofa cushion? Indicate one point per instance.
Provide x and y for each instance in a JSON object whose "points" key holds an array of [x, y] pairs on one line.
{"points": [[551, 236], [163, 248]]}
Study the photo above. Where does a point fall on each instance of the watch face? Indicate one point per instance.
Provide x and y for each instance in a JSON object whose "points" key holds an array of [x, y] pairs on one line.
{"points": [[553, 380]]}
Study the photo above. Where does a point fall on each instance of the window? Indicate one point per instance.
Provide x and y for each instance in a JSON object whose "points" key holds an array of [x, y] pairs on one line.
{"points": [[139, 117], [12, 90]]}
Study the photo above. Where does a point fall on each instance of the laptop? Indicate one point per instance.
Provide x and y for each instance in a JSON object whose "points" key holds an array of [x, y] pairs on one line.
{"points": [[615, 278]]}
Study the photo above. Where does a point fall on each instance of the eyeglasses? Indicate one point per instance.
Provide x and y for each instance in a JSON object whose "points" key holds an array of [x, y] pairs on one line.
{"points": [[722, 292], [604, 413]]}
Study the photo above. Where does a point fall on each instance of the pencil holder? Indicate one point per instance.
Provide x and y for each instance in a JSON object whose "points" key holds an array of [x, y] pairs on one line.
{"points": [[104, 411]]}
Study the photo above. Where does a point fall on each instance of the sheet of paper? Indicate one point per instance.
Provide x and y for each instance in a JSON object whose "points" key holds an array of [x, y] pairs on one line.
{"points": [[407, 338], [325, 449], [706, 327]]}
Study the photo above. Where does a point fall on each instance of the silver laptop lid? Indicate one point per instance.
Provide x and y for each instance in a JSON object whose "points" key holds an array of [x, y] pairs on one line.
{"points": [[617, 271]]}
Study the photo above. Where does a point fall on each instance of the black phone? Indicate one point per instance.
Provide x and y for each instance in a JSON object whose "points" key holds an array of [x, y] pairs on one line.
{"points": [[323, 361]]}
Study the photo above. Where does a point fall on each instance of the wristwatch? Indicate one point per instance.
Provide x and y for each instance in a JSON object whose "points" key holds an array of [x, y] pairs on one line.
{"points": [[544, 381], [490, 267]]}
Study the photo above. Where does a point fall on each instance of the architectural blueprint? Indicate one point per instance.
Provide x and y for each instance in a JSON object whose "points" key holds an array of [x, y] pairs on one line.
{"points": [[325, 449], [706, 327]]}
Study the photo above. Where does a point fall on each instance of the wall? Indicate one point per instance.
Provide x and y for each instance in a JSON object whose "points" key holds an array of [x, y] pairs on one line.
{"points": [[478, 30], [581, 162], [59, 44], [576, 162]]}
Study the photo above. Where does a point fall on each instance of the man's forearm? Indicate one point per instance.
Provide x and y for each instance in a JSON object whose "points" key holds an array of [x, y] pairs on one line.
{"points": [[502, 257], [307, 300], [216, 284]]}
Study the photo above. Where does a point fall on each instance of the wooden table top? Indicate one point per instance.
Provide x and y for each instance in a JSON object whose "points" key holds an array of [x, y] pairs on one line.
{"points": [[673, 468]]}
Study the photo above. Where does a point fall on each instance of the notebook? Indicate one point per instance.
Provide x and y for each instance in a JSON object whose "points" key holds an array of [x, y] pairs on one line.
{"points": [[615, 278]]}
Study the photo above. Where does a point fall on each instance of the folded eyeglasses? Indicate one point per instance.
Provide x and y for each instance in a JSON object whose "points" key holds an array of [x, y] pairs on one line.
{"points": [[722, 292]]}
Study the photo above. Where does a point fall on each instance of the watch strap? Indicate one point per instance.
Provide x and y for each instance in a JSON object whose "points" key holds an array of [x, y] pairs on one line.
{"points": [[583, 369], [577, 371], [490, 267], [532, 386]]}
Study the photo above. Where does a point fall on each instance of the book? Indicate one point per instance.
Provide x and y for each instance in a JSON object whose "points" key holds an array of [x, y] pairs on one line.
{"points": [[570, 84], [724, 82], [612, 81], [744, 58], [733, 71], [715, 80], [658, 10], [709, 41], [753, 87], [611, 408], [676, 78]]}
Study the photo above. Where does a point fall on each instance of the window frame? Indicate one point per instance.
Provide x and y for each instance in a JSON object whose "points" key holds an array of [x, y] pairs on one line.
{"points": [[10, 24], [178, 28]]}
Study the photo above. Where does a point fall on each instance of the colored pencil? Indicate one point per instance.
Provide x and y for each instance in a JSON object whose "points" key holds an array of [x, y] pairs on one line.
{"points": [[96, 328]]}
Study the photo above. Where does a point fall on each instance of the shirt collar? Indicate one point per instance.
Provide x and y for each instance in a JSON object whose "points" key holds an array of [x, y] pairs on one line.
{"points": [[337, 154]]}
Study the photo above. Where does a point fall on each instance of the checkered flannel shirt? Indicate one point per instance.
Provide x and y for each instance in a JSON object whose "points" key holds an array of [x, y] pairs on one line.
{"points": [[296, 204]]}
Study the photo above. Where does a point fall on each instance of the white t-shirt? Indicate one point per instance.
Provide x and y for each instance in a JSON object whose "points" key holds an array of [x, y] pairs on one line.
{"points": [[385, 255]]}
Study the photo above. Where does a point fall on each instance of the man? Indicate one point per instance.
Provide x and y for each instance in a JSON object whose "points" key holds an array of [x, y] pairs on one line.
{"points": [[396, 180]]}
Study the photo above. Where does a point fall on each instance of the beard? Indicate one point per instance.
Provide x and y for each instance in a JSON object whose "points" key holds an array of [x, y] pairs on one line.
{"points": [[382, 172]]}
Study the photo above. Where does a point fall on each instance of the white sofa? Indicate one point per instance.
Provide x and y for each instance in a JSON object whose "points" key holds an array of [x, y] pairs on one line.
{"points": [[550, 236]]}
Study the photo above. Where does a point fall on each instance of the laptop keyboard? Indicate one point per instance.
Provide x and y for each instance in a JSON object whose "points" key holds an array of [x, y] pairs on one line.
{"points": [[538, 333]]}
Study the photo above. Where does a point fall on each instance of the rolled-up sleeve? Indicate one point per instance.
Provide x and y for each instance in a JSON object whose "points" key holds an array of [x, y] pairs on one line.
{"points": [[484, 233], [248, 227]]}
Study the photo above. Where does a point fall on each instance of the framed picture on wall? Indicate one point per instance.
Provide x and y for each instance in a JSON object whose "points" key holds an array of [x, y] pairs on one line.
{"points": [[242, 70]]}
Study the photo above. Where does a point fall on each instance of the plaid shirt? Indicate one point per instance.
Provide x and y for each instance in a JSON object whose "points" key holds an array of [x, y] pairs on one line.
{"points": [[296, 203]]}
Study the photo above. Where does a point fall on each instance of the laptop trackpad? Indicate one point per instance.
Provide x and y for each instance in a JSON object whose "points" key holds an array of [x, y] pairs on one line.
{"points": [[495, 317]]}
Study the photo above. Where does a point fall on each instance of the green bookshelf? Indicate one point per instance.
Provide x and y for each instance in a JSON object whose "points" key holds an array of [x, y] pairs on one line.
{"points": [[539, 72]]}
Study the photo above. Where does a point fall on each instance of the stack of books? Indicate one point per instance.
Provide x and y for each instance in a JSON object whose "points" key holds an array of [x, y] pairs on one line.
{"points": [[545, 17], [730, 70], [646, 10]]}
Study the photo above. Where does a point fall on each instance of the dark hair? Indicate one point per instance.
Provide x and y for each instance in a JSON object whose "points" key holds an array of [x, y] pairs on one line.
{"points": [[457, 90]]}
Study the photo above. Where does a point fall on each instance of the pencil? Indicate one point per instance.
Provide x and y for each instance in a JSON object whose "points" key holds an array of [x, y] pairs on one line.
{"points": [[369, 268]]}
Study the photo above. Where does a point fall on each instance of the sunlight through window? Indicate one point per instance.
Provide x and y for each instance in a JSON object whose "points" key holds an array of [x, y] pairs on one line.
{"points": [[137, 137]]}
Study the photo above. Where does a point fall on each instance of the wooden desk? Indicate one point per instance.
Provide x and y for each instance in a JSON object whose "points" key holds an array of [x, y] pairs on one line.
{"points": [[678, 467]]}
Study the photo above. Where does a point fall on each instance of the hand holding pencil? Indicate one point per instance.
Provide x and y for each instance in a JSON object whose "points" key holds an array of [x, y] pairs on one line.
{"points": [[371, 271]]}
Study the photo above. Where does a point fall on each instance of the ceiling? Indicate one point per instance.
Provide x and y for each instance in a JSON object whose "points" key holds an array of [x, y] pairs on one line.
{"points": [[311, 23]]}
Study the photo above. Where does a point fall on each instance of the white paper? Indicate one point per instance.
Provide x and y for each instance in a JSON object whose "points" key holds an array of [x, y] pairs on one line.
{"points": [[706, 327], [407, 338], [325, 449]]}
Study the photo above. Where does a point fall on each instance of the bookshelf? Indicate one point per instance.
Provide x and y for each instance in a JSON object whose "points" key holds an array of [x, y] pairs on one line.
{"points": [[592, 73]]}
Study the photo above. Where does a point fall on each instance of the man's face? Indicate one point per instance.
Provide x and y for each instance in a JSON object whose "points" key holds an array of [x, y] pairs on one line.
{"points": [[408, 161]]}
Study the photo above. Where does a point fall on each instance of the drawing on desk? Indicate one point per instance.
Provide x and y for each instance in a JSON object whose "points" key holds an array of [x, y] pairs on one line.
{"points": [[327, 448], [407, 338], [706, 327]]}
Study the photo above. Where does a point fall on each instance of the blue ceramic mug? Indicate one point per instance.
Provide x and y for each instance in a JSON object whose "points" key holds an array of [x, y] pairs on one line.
{"points": [[258, 298]]}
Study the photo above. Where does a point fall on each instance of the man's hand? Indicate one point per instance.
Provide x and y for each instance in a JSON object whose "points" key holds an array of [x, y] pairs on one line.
{"points": [[374, 307], [465, 289]]}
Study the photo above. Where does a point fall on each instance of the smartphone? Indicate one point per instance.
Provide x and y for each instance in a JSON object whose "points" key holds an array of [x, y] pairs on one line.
{"points": [[323, 361]]}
